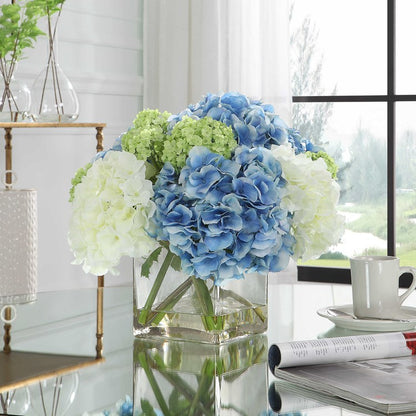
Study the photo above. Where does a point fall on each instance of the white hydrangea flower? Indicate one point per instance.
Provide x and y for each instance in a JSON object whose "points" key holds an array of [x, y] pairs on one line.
{"points": [[111, 209], [312, 196]]}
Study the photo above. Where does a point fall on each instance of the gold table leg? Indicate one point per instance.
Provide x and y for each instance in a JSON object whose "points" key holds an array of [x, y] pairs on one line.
{"points": [[99, 136], [100, 331], [8, 154], [7, 327]]}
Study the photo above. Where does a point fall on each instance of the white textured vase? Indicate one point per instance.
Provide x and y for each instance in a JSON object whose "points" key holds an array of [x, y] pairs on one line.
{"points": [[18, 245]]}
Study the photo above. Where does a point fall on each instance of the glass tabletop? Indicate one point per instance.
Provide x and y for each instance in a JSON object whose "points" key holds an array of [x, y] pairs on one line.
{"points": [[167, 378]]}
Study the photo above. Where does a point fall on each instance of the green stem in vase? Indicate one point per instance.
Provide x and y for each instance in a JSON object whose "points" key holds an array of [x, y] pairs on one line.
{"points": [[169, 302], [205, 381], [153, 383], [155, 288], [245, 302], [210, 321]]}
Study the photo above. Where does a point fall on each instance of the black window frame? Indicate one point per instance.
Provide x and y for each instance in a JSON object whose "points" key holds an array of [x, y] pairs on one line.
{"points": [[343, 275]]}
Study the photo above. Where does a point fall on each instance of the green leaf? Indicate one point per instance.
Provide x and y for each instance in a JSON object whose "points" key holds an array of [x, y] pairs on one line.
{"points": [[146, 266], [147, 408], [176, 264]]}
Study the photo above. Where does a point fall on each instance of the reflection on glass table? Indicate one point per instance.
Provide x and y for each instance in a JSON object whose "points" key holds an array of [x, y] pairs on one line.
{"points": [[167, 378], [186, 378]]}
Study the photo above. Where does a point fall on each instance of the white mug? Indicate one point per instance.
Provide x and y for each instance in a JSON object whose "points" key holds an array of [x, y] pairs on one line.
{"points": [[375, 286]]}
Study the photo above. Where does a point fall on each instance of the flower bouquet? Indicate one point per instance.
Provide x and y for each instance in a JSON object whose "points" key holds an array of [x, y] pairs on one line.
{"points": [[207, 202], [184, 378]]}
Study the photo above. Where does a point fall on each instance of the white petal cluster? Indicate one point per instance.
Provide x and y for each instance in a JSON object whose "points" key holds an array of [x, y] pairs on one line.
{"points": [[111, 209], [312, 196]]}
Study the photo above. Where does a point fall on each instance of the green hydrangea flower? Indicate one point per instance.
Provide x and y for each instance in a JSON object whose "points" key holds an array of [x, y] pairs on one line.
{"points": [[330, 163], [81, 172], [187, 133], [145, 139]]}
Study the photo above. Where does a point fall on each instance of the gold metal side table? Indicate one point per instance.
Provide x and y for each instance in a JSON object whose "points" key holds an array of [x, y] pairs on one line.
{"points": [[8, 127], [22, 368]]}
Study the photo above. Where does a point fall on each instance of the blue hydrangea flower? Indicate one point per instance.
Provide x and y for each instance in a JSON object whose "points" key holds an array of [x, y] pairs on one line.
{"points": [[254, 123], [300, 144], [223, 217]]}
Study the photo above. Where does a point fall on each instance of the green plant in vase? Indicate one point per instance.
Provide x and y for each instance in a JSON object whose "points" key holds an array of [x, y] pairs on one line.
{"points": [[207, 202], [18, 31]]}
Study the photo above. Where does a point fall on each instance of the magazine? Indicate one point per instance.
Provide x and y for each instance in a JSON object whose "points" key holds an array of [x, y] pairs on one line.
{"points": [[375, 371], [288, 399]]}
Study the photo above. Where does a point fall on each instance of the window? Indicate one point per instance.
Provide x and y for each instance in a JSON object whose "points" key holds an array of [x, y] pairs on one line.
{"points": [[354, 93]]}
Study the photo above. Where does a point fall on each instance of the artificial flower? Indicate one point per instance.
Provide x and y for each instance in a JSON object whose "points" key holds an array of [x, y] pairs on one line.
{"points": [[111, 209], [188, 132], [311, 195], [223, 217]]}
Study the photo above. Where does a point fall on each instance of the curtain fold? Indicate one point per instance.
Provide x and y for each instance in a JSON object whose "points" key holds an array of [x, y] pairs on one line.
{"points": [[192, 47]]}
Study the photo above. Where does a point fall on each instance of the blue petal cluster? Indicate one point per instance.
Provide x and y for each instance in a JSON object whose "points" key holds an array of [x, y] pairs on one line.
{"points": [[300, 144], [254, 124], [223, 217]]}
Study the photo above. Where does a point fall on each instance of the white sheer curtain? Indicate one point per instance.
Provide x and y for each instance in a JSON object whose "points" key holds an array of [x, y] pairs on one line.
{"points": [[192, 47]]}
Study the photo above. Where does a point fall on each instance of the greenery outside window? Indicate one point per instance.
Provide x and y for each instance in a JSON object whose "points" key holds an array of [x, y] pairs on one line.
{"points": [[354, 94]]}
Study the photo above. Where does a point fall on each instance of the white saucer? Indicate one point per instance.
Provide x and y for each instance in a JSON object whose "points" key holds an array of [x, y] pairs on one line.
{"points": [[378, 325]]}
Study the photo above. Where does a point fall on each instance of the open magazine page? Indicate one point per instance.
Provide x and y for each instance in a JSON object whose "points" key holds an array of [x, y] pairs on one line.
{"points": [[387, 385], [339, 349]]}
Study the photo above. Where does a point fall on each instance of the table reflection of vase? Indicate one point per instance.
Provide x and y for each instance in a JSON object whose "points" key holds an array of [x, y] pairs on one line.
{"points": [[189, 378], [15, 402], [53, 396]]}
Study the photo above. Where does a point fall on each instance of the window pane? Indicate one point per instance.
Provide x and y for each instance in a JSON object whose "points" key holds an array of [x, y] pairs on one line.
{"points": [[338, 47], [354, 134], [406, 183], [405, 51]]}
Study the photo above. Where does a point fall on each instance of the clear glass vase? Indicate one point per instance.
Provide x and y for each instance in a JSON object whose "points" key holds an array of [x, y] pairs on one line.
{"points": [[187, 378], [54, 98], [14, 100], [178, 306]]}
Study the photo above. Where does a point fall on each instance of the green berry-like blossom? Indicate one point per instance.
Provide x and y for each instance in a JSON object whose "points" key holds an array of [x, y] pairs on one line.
{"points": [[145, 139], [80, 173], [330, 163], [187, 133]]}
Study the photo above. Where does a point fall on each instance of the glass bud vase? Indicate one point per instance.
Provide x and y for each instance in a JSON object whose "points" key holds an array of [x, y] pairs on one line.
{"points": [[14, 100], [176, 306], [53, 96]]}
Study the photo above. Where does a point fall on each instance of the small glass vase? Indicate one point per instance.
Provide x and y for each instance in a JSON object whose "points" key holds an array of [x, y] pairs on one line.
{"points": [[187, 378], [14, 100], [178, 306], [54, 98]]}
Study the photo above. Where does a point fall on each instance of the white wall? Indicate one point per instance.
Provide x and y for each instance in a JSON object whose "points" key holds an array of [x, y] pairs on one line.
{"points": [[100, 50]]}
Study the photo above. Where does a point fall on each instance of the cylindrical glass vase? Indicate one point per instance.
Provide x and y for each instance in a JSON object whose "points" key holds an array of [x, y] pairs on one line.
{"points": [[178, 306]]}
